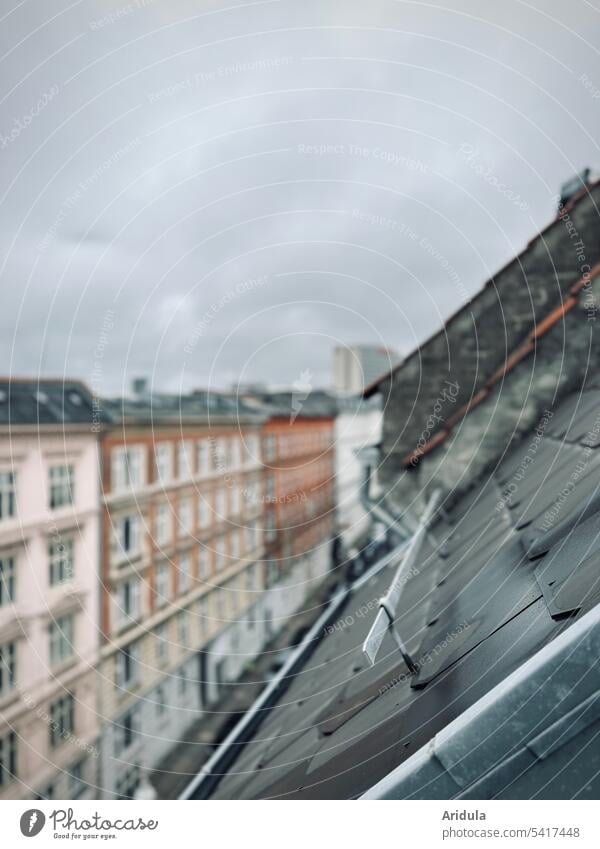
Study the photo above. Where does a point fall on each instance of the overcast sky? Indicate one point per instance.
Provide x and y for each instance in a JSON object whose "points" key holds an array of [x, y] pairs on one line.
{"points": [[208, 192]]}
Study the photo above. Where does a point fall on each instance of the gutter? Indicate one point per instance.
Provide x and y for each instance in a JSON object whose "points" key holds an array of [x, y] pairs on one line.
{"points": [[369, 457], [203, 785]]}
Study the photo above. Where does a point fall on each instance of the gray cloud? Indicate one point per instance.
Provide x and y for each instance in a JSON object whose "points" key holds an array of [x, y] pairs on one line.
{"points": [[157, 156]]}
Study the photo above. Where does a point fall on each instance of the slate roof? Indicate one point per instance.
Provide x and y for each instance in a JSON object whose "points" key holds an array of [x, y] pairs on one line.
{"points": [[46, 402], [510, 566], [305, 403], [163, 407]]}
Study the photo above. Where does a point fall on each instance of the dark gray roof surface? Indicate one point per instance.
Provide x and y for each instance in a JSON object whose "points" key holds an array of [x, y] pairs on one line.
{"points": [[478, 605], [161, 406], [46, 402], [303, 403]]}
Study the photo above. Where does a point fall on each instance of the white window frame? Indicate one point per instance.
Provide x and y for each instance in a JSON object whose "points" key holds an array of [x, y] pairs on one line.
{"points": [[62, 720], [204, 563], [203, 458], [61, 486], [204, 511], [8, 668], [221, 504], [186, 515], [8, 494], [161, 639], [185, 459], [128, 655], [163, 589], [61, 639], [8, 578], [163, 461], [61, 561], [185, 572], [164, 524], [8, 758], [127, 468], [135, 535], [127, 730], [128, 601]]}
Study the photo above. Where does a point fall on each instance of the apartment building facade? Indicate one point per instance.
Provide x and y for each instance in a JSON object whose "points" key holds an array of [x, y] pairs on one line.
{"points": [[49, 558], [298, 451], [357, 426], [182, 541]]}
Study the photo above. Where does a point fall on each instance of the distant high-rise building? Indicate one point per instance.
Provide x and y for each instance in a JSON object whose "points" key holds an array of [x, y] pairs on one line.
{"points": [[356, 366]]}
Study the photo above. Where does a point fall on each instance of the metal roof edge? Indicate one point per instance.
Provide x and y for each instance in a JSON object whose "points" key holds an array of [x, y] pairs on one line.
{"points": [[483, 737]]}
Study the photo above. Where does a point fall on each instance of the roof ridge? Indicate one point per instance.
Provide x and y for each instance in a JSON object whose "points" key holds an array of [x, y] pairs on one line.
{"points": [[371, 388], [540, 329]]}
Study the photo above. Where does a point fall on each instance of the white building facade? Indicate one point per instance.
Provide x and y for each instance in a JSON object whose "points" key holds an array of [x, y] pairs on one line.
{"points": [[49, 600], [357, 426]]}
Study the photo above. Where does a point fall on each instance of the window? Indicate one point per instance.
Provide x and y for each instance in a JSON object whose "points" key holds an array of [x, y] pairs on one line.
{"points": [[7, 579], [235, 544], [62, 558], [221, 553], [62, 638], [271, 533], [203, 456], [186, 520], [162, 642], [185, 460], [252, 578], [62, 719], [222, 454], [61, 486], [8, 758], [235, 500], [128, 783], [185, 572], [252, 448], [204, 564], [164, 461], [204, 511], [128, 601], [126, 730], [270, 447], [272, 573], [162, 584], [253, 493], [126, 537], [8, 660], [236, 453], [251, 536], [203, 615], [183, 627], [164, 524], [7, 495], [221, 505], [270, 494], [127, 468], [127, 665], [183, 681], [77, 784], [159, 701]]}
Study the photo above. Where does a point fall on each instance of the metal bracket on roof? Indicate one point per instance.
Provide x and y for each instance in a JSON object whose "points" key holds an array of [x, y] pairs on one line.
{"points": [[388, 606]]}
